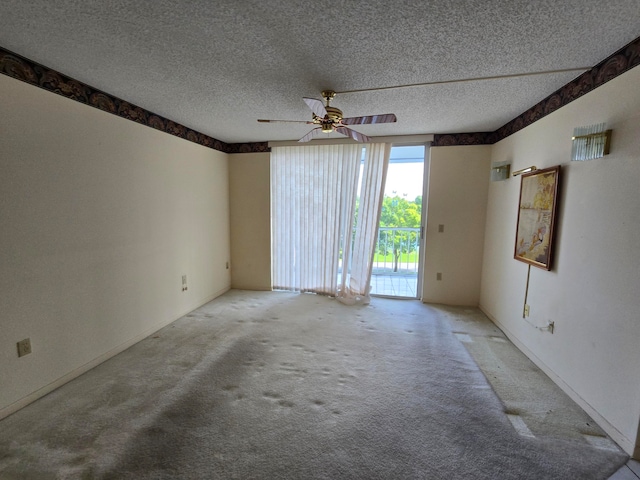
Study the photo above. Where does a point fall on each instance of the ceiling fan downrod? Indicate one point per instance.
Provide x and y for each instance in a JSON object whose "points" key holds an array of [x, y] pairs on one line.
{"points": [[328, 95]]}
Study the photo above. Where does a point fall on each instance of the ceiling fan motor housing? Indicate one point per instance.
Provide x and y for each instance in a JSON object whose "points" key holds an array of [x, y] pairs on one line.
{"points": [[334, 114], [331, 119]]}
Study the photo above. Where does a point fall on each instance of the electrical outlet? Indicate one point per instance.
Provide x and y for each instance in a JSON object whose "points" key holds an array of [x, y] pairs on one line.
{"points": [[184, 283], [526, 310], [24, 347], [438, 276], [440, 228]]}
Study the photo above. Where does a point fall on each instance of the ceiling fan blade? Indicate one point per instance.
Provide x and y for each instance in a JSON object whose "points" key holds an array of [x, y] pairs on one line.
{"points": [[261, 120], [311, 134], [357, 136], [316, 106], [385, 118]]}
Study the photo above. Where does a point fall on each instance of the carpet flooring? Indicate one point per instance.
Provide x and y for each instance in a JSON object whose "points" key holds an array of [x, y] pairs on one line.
{"points": [[273, 385]]}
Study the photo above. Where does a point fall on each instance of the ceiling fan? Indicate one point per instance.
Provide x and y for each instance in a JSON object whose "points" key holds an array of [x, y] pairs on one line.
{"points": [[329, 119]]}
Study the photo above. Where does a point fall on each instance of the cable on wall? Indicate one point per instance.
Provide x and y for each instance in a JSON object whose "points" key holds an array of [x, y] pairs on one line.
{"points": [[525, 309]]}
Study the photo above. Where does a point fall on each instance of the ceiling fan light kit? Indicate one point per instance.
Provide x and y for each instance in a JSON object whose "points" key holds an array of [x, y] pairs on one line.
{"points": [[330, 119]]}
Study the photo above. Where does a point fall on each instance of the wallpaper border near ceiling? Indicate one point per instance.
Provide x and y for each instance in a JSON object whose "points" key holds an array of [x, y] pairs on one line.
{"points": [[624, 59], [21, 68]]}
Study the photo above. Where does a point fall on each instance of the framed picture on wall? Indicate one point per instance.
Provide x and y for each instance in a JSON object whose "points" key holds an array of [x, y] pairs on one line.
{"points": [[536, 217]]}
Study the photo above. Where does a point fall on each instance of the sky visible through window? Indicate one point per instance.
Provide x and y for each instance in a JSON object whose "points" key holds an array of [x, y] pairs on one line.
{"points": [[405, 173]]}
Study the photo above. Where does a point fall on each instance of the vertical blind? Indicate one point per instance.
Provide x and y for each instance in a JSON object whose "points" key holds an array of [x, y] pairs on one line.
{"points": [[313, 191], [319, 243]]}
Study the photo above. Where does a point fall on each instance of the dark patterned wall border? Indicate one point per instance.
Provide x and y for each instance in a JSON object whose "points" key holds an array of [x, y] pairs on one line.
{"points": [[27, 71], [254, 147], [452, 139], [623, 60], [23, 69]]}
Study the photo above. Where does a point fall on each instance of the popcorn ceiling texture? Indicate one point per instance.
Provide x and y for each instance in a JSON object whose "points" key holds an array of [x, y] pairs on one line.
{"points": [[217, 67]]}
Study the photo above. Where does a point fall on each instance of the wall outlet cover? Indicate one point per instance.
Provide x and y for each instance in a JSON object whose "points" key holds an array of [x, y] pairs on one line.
{"points": [[24, 347]]}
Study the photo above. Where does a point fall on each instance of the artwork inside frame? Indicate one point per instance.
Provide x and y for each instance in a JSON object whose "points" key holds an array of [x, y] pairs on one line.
{"points": [[536, 217]]}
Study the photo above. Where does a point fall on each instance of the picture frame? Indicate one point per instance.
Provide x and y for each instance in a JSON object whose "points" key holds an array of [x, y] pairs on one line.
{"points": [[537, 207]]}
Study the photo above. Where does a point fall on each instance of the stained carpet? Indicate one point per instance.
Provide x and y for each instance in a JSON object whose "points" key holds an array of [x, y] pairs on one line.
{"points": [[271, 385]]}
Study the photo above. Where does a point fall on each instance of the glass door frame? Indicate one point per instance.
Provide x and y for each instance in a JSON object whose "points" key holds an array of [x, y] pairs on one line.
{"points": [[423, 221], [422, 236]]}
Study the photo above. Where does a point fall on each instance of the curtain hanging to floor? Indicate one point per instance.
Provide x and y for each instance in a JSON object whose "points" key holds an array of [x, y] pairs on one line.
{"points": [[313, 196], [355, 282], [319, 243]]}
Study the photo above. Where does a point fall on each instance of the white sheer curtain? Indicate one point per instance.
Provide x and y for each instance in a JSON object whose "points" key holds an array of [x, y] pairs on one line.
{"points": [[355, 282], [313, 196]]}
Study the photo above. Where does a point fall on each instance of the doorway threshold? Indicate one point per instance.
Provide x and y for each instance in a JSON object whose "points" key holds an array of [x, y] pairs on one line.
{"points": [[396, 286]]}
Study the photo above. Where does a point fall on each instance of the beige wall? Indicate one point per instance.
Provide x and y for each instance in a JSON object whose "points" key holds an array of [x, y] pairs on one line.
{"points": [[100, 219], [592, 293], [457, 198], [250, 199], [459, 179]]}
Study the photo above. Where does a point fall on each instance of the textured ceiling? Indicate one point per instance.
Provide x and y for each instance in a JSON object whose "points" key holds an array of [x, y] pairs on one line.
{"points": [[218, 66]]}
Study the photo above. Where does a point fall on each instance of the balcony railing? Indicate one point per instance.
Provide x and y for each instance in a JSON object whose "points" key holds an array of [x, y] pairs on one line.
{"points": [[397, 251]]}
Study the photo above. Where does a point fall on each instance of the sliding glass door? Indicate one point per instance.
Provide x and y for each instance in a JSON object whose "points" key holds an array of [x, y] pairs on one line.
{"points": [[397, 266]]}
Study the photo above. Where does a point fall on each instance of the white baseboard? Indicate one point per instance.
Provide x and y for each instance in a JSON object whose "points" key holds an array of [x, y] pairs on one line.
{"points": [[626, 444], [41, 392]]}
